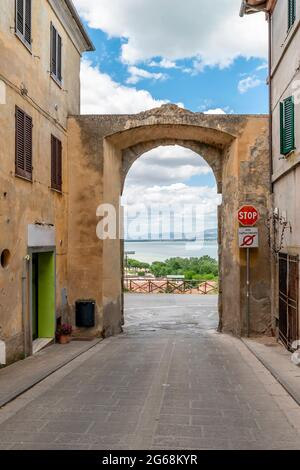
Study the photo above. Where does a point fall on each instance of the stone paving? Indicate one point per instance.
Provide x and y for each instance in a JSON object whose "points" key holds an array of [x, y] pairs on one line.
{"points": [[169, 382]]}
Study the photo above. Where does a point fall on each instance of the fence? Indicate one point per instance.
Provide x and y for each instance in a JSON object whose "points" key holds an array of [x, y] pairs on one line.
{"points": [[162, 286]]}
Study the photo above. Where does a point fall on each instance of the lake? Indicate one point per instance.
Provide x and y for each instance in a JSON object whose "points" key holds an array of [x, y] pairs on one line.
{"points": [[149, 252]]}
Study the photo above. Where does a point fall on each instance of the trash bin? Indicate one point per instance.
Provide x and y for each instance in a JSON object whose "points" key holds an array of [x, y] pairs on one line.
{"points": [[85, 313]]}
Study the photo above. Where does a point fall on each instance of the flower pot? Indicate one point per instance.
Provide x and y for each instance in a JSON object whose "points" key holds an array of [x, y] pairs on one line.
{"points": [[64, 339]]}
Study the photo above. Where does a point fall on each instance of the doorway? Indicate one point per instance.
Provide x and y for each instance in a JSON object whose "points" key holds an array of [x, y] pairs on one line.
{"points": [[288, 299], [43, 296]]}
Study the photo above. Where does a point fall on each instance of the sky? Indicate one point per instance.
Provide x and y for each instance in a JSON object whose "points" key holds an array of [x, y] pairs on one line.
{"points": [[198, 54]]}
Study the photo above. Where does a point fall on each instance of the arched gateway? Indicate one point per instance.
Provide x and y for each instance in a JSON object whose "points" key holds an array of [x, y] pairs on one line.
{"points": [[102, 149]]}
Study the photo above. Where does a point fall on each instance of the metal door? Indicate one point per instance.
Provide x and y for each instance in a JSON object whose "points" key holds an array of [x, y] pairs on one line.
{"points": [[288, 299]]}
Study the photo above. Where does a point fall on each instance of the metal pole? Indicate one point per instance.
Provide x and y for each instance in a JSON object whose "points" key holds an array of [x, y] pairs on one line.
{"points": [[248, 293]]}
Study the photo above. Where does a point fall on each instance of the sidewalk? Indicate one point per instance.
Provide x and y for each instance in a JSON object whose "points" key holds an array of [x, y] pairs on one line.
{"points": [[278, 361], [22, 375]]}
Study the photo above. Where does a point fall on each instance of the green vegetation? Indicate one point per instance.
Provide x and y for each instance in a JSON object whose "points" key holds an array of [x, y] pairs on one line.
{"points": [[133, 263], [204, 268]]}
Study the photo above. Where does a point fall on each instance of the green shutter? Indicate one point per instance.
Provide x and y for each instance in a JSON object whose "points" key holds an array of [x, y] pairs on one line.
{"points": [[287, 126], [291, 13], [281, 129]]}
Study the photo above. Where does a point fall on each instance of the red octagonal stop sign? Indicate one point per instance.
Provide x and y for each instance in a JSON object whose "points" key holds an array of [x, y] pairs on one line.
{"points": [[248, 216]]}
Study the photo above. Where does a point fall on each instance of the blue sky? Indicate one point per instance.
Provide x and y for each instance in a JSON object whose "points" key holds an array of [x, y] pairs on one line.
{"points": [[210, 89], [150, 52]]}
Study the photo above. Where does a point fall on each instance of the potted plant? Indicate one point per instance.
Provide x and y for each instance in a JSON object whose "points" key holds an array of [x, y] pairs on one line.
{"points": [[63, 333]]}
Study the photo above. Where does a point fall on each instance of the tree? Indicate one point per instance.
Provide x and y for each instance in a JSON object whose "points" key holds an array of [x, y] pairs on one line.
{"points": [[204, 268]]}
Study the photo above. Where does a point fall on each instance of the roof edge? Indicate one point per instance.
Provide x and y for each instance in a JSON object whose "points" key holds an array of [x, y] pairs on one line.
{"points": [[77, 19], [254, 6]]}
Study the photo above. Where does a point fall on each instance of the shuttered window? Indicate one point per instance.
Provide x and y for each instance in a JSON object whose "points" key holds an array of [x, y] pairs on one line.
{"points": [[56, 164], [56, 54], [291, 13], [23, 20], [287, 125], [23, 144]]}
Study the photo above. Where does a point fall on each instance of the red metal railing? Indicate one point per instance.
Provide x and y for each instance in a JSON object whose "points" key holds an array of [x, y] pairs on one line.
{"points": [[162, 286]]}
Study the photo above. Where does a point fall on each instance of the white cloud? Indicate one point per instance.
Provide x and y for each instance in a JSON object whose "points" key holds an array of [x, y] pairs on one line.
{"points": [[248, 83], [159, 180], [215, 111], [164, 64], [178, 197], [174, 194], [262, 67], [174, 30], [138, 74], [167, 165], [101, 95]]}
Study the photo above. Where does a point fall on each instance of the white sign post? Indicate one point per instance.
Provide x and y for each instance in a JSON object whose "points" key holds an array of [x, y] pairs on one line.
{"points": [[248, 239]]}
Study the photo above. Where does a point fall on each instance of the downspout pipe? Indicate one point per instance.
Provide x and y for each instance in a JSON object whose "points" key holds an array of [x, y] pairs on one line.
{"points": [[270, 101]]}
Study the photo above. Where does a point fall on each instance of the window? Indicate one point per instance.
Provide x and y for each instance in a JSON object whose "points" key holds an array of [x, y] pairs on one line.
{"points": [[56, 164], [287, 126], [291, 13], [56, 50], [23, 144], [23, 20]]}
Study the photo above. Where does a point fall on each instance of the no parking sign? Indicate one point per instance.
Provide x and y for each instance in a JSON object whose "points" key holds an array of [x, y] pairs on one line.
{"points": [[248, 237]]}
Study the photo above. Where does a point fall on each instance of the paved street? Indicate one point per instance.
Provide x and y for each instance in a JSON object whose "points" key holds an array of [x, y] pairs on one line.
{"points": [[169, 382]]}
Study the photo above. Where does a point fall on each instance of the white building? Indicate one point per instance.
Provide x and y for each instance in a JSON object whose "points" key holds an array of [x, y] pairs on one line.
{"points": [[284, 80]]}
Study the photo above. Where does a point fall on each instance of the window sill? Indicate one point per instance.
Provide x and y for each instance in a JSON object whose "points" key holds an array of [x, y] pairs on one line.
{"points": [[287, 155], [290, 30], [24, 42], [57, 191], [24, 178], [55, 79]]}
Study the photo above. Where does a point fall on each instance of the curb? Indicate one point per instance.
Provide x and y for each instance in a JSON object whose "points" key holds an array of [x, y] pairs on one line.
{"points": [[20, 392], [288, 388]]}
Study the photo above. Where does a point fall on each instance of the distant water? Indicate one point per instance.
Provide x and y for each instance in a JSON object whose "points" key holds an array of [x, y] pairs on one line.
{"points": [[149, 252]]}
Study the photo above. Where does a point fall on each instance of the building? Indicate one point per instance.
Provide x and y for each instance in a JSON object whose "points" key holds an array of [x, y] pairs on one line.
{"points": [[40, 51], [284, 81], [59, 169]]}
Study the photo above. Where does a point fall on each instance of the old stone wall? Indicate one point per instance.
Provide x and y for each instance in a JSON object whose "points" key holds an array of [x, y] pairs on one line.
{"points": [[103, 149]]}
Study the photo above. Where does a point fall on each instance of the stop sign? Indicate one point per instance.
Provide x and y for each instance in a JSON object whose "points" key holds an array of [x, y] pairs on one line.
{"points": [[248, 216]]}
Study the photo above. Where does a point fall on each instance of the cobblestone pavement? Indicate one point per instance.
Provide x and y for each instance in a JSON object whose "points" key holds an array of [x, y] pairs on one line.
{"points": [[169, 382]]}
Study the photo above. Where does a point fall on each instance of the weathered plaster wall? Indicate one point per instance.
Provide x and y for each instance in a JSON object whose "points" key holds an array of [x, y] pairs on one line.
{"points": [[23, 202], [236, 147], [286, 170]]}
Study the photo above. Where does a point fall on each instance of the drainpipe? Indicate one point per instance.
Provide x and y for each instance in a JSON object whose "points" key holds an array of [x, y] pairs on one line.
{"points": [[270, 100], [24, 303]]}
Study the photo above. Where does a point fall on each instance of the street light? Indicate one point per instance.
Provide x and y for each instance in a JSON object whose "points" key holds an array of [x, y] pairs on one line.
{"points": [[127, 253]]}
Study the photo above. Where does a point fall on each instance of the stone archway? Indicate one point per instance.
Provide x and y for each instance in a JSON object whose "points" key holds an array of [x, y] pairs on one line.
{"points": [[101, 151]]}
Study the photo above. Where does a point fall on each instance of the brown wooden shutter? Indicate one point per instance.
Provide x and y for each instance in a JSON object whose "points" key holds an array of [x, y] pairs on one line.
{"points": [[27, 32], [20, 16], [59, 165], [56, 163], [53, 50], [53, 161], [20, 158], [23, 144], [28, 146], [59, 55]]}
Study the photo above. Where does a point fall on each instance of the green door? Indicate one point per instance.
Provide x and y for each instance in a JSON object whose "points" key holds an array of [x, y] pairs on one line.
{"points": [[43, 295]]}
